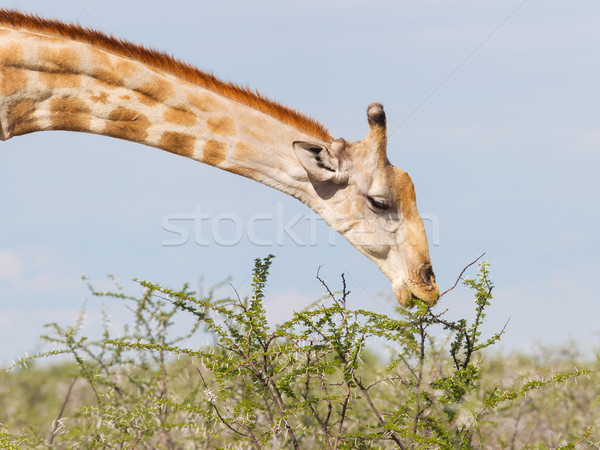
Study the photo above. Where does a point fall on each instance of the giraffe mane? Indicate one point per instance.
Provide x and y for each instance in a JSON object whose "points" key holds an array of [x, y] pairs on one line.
{"points": [[168, 63]]}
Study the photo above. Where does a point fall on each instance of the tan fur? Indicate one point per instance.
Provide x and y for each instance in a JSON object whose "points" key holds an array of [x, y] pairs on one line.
{"points": [[164, 62]]}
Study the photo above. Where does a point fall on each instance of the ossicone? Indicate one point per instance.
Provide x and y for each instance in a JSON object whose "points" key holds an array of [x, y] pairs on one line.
{"points": [[376, 115], [377, 128]]}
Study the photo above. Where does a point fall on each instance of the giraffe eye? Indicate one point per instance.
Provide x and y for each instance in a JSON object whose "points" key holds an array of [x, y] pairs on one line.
{"points": [[378, 203]]}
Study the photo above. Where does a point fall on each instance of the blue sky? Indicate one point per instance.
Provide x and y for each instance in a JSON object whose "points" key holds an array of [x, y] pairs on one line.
{"points": [[492, 109]]}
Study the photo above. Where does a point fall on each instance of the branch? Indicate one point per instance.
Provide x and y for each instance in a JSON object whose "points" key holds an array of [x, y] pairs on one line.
{"points": [[460, 276]]}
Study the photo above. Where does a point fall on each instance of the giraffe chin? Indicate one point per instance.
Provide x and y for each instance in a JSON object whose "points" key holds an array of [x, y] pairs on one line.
{"points": [[408, 297]]}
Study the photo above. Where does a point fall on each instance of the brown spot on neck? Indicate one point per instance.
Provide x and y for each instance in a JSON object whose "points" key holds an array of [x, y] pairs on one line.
{"points": [[21, 119], [13, 77], [59, 80], [112, 70], [102, 97], [241, 155], [180, 115], [12, 80], [241, 151], [125, 123], [60, 67], [156, 91], [221, 125], [103, 70], [202, 102], [59, 60], [179, 143], [11, 55], [69, 114], [214, 152]]}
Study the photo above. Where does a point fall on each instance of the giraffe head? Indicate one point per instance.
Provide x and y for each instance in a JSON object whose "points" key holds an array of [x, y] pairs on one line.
{"points": [[373, 205]]}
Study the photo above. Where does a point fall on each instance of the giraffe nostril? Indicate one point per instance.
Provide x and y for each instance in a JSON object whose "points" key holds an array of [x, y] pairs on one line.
{"points": [[427, 274]]}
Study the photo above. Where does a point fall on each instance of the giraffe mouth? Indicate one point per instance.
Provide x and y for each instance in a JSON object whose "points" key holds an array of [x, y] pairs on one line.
{"points": [[410, 296]]}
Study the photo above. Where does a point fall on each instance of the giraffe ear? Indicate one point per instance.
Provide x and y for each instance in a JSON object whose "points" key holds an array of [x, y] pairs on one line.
{"points": [[319, 163]]}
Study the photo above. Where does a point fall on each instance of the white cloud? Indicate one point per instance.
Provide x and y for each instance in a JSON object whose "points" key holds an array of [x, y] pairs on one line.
{"points": [[32, 270], [586, 144], [11, 266], [558, 308]]}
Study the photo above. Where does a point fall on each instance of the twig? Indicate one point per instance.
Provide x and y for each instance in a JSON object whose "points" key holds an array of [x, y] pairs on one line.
{"points": [[87, 375], [345, 291], [60, 413], [329, 405], [239, 299], [219, 414], [273, 391], [314, 412], [343, 416], [384, 381], [376, 411], [331, 294], [164, 410], [461, 274]]}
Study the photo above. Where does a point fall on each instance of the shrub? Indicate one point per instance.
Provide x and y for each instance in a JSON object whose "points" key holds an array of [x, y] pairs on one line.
{"points": [[310, 381]]}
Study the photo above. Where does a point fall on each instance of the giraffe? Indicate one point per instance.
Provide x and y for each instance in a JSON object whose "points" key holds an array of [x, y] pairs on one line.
{"points": [[59, 76]]}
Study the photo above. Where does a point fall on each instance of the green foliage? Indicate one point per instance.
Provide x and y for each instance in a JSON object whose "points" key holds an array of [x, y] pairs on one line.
{"points": [[310, 381]]}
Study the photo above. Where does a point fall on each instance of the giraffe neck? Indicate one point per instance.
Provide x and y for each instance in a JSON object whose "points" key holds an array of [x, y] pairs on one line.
{"points": [[54, 83]]}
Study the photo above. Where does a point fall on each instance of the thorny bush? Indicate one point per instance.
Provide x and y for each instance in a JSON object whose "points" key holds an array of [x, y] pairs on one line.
{"points": [[309, 381]]}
